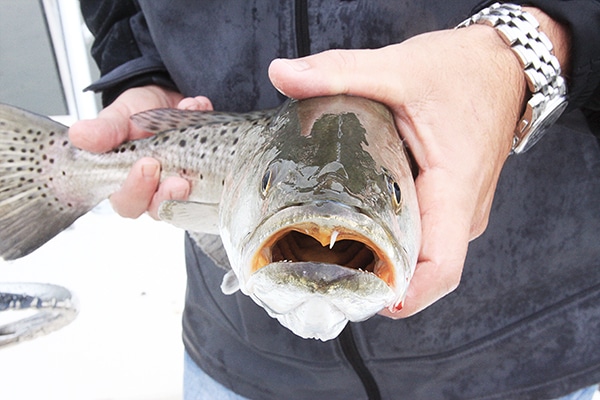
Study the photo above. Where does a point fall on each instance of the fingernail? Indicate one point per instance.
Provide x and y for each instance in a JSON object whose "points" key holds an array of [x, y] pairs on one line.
{"points": [[149, 170], [399, 306], [179, 194], [297, 65]]}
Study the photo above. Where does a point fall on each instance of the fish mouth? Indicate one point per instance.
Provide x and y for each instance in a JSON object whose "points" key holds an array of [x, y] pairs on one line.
{"points": [[310, 242], [328, 233], [315, 267]]}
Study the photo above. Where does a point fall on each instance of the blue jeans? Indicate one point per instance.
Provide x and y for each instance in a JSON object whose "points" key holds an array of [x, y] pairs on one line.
{"points": [[197, 385]]}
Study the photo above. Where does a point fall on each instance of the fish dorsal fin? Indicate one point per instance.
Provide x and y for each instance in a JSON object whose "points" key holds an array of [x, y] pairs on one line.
{"points": [[191, 216], [168, 119]]}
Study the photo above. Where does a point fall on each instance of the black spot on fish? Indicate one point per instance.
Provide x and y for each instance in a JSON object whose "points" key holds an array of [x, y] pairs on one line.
{"points": [[132, 147], [223, 132], [234, 130], [203, 139], [165, 138], [51, 143], [214, 150], [235, 141], [51, 133], [182, 143], [202, 156], [66, 143]]}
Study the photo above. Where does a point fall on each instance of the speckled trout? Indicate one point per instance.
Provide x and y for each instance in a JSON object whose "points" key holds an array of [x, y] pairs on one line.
{"points": [[314, 202]]}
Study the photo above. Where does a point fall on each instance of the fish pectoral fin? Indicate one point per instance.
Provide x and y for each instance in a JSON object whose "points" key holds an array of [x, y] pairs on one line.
{"points": [[230, 283], [191, 216]]}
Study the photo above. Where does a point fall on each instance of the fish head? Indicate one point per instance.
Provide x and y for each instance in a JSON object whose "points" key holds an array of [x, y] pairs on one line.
{"points": [[320, 222]]}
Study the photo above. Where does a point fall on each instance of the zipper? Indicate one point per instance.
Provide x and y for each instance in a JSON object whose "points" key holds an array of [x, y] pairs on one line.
{"points": [[348, 345], [302, 34]]}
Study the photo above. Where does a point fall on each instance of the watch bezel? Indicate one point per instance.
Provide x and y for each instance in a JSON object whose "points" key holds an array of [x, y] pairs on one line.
{"points": [[551, 112]]}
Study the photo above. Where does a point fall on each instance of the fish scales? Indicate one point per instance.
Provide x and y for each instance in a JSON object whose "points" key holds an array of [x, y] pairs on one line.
{"points": [[43, 177], [314, 202]]}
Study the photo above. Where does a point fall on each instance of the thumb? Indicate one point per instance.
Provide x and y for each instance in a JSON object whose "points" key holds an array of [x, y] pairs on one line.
{"points": [[101, 134], [113, 125], [356, 72]]}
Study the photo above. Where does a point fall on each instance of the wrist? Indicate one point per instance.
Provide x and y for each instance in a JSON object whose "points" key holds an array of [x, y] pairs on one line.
{"points": [[559, 36], [522, 32]]}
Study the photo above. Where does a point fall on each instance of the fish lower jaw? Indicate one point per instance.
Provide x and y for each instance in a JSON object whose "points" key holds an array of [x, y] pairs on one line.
{"points": [[314, 319], [316, 300]]}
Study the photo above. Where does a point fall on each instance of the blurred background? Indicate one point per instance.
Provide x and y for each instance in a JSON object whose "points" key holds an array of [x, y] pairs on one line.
{"points": [[128, 276]]}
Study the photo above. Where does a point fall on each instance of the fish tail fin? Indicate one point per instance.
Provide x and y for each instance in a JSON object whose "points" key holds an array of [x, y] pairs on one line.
{"points": [[35, 200]]}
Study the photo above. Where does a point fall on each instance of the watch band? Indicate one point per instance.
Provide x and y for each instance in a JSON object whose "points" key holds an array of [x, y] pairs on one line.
{"points": [[519, 30]]}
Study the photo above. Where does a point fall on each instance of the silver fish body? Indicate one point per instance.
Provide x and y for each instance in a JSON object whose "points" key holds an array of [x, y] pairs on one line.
{"points": [[314, 202]]}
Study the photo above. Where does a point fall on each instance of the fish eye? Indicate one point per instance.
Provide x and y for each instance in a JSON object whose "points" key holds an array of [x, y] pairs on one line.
{"points": [[395, 192], [265, 182]]}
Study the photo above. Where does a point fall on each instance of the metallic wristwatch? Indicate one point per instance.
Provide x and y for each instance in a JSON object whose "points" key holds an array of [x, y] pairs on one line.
{"points": [[519, 29]]}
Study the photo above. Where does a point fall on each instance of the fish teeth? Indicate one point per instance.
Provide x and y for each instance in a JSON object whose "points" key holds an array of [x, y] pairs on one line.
{"points": [[333, 238]]}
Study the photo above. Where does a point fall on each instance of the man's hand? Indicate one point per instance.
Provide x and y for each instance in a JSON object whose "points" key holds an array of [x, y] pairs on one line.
{"points": [[142, 191], [456, 96]]}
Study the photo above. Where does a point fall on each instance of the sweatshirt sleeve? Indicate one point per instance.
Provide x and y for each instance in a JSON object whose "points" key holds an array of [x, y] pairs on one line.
{"points": [[122, 48]]}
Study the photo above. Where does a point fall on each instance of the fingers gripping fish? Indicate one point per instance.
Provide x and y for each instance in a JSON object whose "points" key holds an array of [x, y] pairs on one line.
{"points": [[314, 202]]}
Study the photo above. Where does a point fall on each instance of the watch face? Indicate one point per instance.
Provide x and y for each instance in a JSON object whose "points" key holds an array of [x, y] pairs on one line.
{"points": [[548, 118]]}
